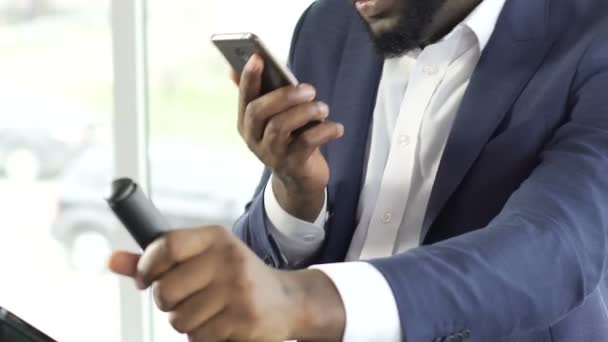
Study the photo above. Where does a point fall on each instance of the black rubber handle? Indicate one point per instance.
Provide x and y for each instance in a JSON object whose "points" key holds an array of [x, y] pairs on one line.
{"points": [[136, 212]]}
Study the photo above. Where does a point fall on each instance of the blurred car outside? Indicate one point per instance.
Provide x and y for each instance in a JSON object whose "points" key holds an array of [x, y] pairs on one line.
{"points": [[25, 10], [38, 138]]}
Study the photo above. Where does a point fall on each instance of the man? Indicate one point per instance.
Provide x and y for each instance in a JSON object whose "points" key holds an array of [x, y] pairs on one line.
{"points": [[462, 153]]}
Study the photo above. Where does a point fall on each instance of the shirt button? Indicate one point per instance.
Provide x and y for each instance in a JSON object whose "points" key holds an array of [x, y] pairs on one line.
{"points": [[430, 70], [404, 140], [387, 217], [309, 238]]}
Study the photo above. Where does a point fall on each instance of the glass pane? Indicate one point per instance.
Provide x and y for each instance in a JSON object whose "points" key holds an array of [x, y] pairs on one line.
{"points": [[55, 159], [201, 171]]}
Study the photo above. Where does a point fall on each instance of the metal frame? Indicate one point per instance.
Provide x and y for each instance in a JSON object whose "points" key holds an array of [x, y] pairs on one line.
{"points": [[130, 123]]}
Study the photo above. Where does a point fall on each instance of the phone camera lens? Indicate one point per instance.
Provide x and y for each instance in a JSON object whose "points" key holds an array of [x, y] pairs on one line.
{"points": [[242, 54]]}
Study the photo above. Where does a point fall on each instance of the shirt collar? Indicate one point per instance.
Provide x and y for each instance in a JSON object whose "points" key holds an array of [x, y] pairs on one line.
{"points": [[482, 21]]}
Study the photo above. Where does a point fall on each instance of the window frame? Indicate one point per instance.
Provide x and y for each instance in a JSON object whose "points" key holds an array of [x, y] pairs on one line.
{"points": [[130, 141]]}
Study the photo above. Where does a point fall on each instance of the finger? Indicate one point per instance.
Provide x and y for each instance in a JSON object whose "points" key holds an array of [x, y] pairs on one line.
{"points": [[197, 310], [250, 84], [217, 329], [124, 263], [280, 129], [176, 247], [304, 145], [234, 76], [260, 111], [185, 280]]}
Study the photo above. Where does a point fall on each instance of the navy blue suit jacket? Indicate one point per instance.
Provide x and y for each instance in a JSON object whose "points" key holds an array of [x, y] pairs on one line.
{"points": [[516, 232]]}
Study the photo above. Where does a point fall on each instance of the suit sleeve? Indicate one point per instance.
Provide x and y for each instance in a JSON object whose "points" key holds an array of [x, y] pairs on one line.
{"points": [[252, 227], [541, 257]]}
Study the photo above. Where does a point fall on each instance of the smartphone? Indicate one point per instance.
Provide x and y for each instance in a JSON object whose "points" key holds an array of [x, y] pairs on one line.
{"points": [[237, 48], [14, 329]]}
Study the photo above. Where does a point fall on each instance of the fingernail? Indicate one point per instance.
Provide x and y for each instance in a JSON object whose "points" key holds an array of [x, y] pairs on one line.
{"points": [[340, 130], [307, 91], [324, 109], [252, 64], [139, 282]]}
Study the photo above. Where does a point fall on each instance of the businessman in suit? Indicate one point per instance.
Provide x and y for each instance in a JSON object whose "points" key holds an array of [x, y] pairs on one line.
{"points": [[454, 189]]}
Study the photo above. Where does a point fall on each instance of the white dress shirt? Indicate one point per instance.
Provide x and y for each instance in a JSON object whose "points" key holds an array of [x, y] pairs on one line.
{"points": [[418, 98]]}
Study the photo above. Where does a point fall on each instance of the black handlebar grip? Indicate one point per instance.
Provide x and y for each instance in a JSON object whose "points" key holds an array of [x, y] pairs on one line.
{"points": [[136, 212]]}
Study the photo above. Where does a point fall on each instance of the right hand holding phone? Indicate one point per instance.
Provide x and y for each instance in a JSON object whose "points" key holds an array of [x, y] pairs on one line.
{"points": [[272, 126]]}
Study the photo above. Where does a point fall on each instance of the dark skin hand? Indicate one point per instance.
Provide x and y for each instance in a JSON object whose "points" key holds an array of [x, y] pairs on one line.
{"points": [[215, 289], [271, 127], [211, 284]]}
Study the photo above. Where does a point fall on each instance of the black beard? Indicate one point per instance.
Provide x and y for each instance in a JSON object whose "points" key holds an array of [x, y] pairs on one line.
{"points": [[408, 34]]}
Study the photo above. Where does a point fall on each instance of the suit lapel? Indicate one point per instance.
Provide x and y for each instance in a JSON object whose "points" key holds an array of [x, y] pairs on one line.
{"points": [[514, 53], [354, 98]]}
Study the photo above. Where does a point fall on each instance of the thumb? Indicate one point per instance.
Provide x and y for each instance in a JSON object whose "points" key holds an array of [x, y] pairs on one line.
{"points": [[124, 263], [236, 78]]}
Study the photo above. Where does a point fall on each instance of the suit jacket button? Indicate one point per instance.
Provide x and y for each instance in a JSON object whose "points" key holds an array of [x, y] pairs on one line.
{"points": [[268, 260]]}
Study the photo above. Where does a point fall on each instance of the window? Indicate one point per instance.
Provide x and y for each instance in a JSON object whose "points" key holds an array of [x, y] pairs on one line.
{"points": [[201, 172], [55, 160], [56, 145]]}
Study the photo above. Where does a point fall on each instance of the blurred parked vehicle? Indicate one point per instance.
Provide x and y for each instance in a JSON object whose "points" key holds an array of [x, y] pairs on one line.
{"points": [[24, 10], [191, 186], [37, 138]]}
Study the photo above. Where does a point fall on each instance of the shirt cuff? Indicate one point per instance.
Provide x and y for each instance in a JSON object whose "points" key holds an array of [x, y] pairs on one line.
{"points": [[369, 303], [297, 239]]}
